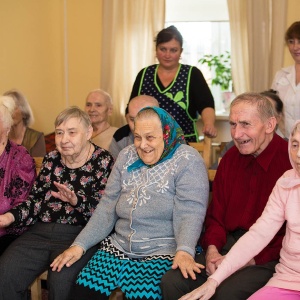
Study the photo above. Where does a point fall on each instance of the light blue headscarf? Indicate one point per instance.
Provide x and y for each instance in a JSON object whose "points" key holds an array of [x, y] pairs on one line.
{"points": [[172, 135]]}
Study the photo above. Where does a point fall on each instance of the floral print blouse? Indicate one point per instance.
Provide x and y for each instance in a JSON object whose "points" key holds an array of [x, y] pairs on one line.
{"points": [[88, 182], [17, 174]]}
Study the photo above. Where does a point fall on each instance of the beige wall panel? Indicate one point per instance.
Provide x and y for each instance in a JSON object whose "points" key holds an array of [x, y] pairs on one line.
{"points": [[31, 55], [84, 48]]}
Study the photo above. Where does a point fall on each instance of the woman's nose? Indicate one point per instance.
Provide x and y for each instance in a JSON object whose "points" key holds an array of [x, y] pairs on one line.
{"points": [[64, 138], [143, 143]]}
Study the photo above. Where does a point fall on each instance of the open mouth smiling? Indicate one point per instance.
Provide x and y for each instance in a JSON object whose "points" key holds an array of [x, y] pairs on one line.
{"points": [[147, 151], [243, 142]]}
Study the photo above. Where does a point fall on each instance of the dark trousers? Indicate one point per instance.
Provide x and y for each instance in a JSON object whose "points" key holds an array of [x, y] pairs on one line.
{"points": [[239, 286], [32, 253]]}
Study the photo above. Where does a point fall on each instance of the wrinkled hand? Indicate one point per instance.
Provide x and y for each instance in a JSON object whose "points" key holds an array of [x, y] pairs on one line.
{"points": [[6, 219], [187, 265], [209, 130], [64, 194], [204, 292], [67, 258], [213, 259]]}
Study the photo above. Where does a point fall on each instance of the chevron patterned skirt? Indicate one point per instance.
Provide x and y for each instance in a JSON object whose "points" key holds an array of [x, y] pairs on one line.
{"points": [[110, 268]]}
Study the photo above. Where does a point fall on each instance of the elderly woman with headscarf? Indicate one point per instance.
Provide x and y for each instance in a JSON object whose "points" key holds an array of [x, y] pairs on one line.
{"points": [[155, 200], [17, 172], [21, 133], [64, 196]]}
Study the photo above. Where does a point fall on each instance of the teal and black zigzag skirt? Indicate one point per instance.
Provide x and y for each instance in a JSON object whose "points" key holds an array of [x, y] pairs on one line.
{"points": [[110, 268]]}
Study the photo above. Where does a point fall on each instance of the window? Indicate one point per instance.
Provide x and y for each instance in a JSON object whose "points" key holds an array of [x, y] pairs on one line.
{"points": [[205, 30]]}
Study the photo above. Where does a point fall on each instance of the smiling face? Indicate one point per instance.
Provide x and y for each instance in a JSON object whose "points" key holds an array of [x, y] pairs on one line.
{"points": [[98, 108], [250, 134], [294, 48], [71, 137], [168, 54], [148, 139]]}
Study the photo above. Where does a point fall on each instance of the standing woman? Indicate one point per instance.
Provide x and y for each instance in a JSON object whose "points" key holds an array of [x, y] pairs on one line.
{"points": [[17, 173], [32, 140], [287, 81], [180, 89]]}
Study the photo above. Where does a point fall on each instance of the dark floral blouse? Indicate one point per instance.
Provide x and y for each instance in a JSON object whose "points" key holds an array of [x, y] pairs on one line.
{"points": [[88, 182]]}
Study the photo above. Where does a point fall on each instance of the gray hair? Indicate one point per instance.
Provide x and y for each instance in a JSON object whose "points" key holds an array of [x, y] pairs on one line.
{"points": [[264, 106], [146, 113], [23, 105], [106, 95], [296, 129], [7, 107], [73, 112]]}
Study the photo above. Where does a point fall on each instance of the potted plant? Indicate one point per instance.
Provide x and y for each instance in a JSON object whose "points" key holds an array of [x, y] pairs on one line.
{"points": [[221, 66]]}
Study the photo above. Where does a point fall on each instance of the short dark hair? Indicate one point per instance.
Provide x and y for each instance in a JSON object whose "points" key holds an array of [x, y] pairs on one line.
{"points": [[293, 32], [167, 34], [274, 96]]}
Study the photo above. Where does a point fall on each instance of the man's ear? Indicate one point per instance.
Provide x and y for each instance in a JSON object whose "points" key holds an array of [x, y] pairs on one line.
{"points": [[110, 110], [271, 125]]}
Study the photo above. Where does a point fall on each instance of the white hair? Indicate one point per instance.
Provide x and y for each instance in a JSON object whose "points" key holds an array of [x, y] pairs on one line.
{"points": [[7, 108]]}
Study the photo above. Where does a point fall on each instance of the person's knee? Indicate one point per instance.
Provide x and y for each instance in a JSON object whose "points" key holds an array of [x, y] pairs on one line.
{"points": [[243, 283], [171, 279]]}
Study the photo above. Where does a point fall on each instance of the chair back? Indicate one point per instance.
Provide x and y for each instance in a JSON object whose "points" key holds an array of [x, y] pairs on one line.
{"points": [[204, 148], [38, 163]]}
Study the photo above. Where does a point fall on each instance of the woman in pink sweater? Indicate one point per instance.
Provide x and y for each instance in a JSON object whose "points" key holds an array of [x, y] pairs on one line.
{"points": [[283, 205]]}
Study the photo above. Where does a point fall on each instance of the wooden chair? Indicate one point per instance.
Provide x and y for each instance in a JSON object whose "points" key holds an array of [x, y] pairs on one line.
{"points": [[36, 286], [38, 163], [204, 148], [211, 175]]}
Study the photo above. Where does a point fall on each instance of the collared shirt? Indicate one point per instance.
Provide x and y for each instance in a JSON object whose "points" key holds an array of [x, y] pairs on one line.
{"points": [[285, 84], [241, 190]]}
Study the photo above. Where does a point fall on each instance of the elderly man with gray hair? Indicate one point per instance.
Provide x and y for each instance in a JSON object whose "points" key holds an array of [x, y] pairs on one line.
{"points": [[245, 178]]}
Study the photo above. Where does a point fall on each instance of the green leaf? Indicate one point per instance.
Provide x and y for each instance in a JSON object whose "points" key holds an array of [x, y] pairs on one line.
{"points": [[221, 65], [182, 105], [169, 95], [178, 96]]}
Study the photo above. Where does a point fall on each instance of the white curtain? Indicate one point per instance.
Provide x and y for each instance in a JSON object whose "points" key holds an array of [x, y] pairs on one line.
{"points": [[128, 31], [257, 38]]}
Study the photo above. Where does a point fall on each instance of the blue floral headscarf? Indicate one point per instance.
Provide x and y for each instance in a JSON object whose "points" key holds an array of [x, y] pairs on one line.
{"points": [[172, 135]]}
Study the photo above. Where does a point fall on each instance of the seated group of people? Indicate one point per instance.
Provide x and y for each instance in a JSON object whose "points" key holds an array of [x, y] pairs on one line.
{"points": [[137, 216]]}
